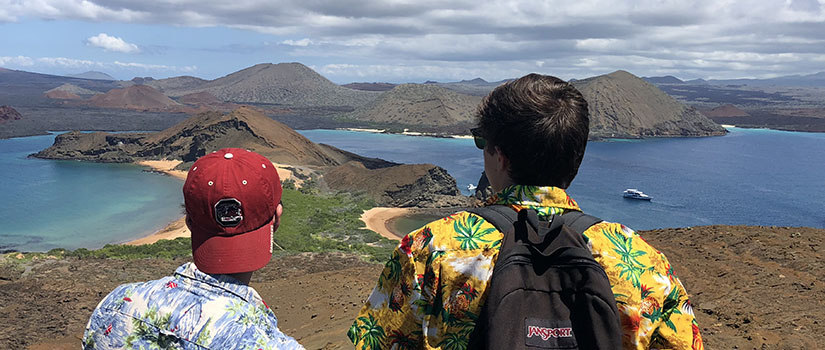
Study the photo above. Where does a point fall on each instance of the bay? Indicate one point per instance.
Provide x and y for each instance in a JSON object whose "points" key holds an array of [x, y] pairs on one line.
{"points": [[748, 177], [47, 204]]}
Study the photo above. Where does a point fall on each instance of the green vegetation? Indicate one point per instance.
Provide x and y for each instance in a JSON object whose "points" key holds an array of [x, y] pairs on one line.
{"points": [[311, 222]]}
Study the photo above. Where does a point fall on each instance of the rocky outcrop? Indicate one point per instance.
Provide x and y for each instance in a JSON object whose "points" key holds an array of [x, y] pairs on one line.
{"points": [[388, 183], [406, 185], [7, 113], [622, 105]]}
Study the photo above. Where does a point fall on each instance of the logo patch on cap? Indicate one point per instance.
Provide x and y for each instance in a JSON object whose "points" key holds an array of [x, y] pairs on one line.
{"points": [[228, 212]]}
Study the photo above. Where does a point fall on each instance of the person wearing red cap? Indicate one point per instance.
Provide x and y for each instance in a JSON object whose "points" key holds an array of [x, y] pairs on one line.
{"points": [[233, 205]]}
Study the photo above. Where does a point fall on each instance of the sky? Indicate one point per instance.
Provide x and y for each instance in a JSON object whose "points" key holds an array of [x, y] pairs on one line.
{"points": [[416, 40]]}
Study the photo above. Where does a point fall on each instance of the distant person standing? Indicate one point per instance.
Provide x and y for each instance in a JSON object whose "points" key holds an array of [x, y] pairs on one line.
{"points": [[233, 207], [533, 132]]}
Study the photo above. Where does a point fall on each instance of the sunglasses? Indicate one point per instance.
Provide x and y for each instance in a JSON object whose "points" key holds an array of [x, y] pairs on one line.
{"points": [[480, 141]]}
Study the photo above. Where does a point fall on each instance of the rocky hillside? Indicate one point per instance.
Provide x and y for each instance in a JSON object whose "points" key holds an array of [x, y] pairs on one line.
{"points": [[386, 182], [750, 288], [407, 185], [287, 84], [725, 111], [625, 106], [7, 113], [138, 97], [417, 104], [194, 137]]}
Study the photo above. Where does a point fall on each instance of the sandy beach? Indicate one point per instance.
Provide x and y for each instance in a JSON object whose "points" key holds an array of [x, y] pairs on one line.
{"points": [[376, 219], [178, 227]]}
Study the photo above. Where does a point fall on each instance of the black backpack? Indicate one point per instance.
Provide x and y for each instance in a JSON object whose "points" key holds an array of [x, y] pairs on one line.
{"points": [[546, 291]]}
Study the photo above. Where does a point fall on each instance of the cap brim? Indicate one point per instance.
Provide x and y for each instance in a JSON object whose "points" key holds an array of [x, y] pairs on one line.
{"points": [[239, 253]]}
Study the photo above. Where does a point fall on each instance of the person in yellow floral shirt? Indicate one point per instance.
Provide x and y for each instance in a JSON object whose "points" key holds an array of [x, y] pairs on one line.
{"points": [[533, 132]]}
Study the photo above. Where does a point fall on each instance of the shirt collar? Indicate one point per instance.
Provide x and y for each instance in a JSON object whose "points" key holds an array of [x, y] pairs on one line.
{"points": [[190, 274], [546, 200]]}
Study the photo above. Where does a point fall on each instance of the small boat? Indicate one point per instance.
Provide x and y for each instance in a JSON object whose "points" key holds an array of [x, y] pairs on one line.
{"points": [[471, 187], [633, 193]]}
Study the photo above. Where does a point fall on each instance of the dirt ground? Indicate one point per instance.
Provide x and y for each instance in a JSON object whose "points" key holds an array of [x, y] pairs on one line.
{"points": [[752, 288]]}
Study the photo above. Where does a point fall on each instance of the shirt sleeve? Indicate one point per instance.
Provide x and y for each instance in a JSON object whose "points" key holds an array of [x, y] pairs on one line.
{"points": [[394, 311], [678, 329]]}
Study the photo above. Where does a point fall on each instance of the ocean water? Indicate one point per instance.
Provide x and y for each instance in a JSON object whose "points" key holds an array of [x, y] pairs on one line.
{"points": [[46, 204], [748, 177]]}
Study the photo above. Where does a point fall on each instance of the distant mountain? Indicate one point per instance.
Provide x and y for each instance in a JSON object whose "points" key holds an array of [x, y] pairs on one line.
{"points": [[725, 111], [286, 84], [92, 75], [138, 97], [474, 87], [69, 92], [30, 87], [668, 79], [7, 113], [177, 83], [623, 105], [809, 80], [419, 104], [370, 86]]}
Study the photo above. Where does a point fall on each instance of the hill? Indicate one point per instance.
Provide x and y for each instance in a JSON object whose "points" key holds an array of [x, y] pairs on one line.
{"points": [[285, 84], [176, 83], [69, 92], [7, 113], [94, 75], [247, 128], [419, 105], [193, 138], [139, 97], [624, 106]]}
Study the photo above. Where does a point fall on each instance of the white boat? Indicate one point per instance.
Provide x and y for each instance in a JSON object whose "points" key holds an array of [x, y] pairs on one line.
{"points": [[471, 187], [633, 193]]}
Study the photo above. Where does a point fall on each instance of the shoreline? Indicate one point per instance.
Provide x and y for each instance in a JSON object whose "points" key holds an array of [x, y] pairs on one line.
{"points": [[178, 228], [378, 218], [174, 229]]}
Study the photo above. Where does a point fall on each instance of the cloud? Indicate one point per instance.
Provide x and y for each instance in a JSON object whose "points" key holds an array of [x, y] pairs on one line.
{"points": [[18, 61], [112, 43], [62, 65], [751, 37]]}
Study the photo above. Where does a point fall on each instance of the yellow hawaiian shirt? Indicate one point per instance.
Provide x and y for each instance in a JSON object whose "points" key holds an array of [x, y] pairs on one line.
{"points": [[431, 290]]}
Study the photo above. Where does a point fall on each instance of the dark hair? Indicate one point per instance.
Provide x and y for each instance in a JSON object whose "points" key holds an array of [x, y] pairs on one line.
{"points": [[540, 123]]}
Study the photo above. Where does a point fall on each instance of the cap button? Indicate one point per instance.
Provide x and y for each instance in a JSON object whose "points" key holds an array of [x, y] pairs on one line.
{"points": [[228, 156]]}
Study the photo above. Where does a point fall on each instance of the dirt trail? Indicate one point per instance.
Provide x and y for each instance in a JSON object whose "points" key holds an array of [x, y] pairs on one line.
{"points": [[752, 288]]}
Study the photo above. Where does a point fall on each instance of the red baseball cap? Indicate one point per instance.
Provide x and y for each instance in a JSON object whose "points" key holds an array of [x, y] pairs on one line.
{"points": [[231, 197]]}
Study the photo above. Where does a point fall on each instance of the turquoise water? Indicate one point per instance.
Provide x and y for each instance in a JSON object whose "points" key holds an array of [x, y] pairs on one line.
{"points": [[748, 177], [48, 204]]}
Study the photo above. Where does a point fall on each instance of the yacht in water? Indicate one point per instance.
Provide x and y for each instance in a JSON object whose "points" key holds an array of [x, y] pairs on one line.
{"points": [[633, 193]]}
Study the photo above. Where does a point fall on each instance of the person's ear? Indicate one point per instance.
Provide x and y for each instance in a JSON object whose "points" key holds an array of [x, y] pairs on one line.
{"points": [[502, 161], [279, 210]]}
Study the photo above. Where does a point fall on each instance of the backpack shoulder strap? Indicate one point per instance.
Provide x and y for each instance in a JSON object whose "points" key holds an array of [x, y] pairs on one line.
{"points": [[578, 221], [501, 216]]}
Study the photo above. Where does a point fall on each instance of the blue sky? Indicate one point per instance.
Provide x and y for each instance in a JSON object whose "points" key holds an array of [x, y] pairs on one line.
{"points": [[414, 41]]}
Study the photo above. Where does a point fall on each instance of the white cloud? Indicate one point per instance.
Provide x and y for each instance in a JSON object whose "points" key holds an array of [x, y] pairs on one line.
{"points": [[112, 43], [302, 42], [18, 61]]}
